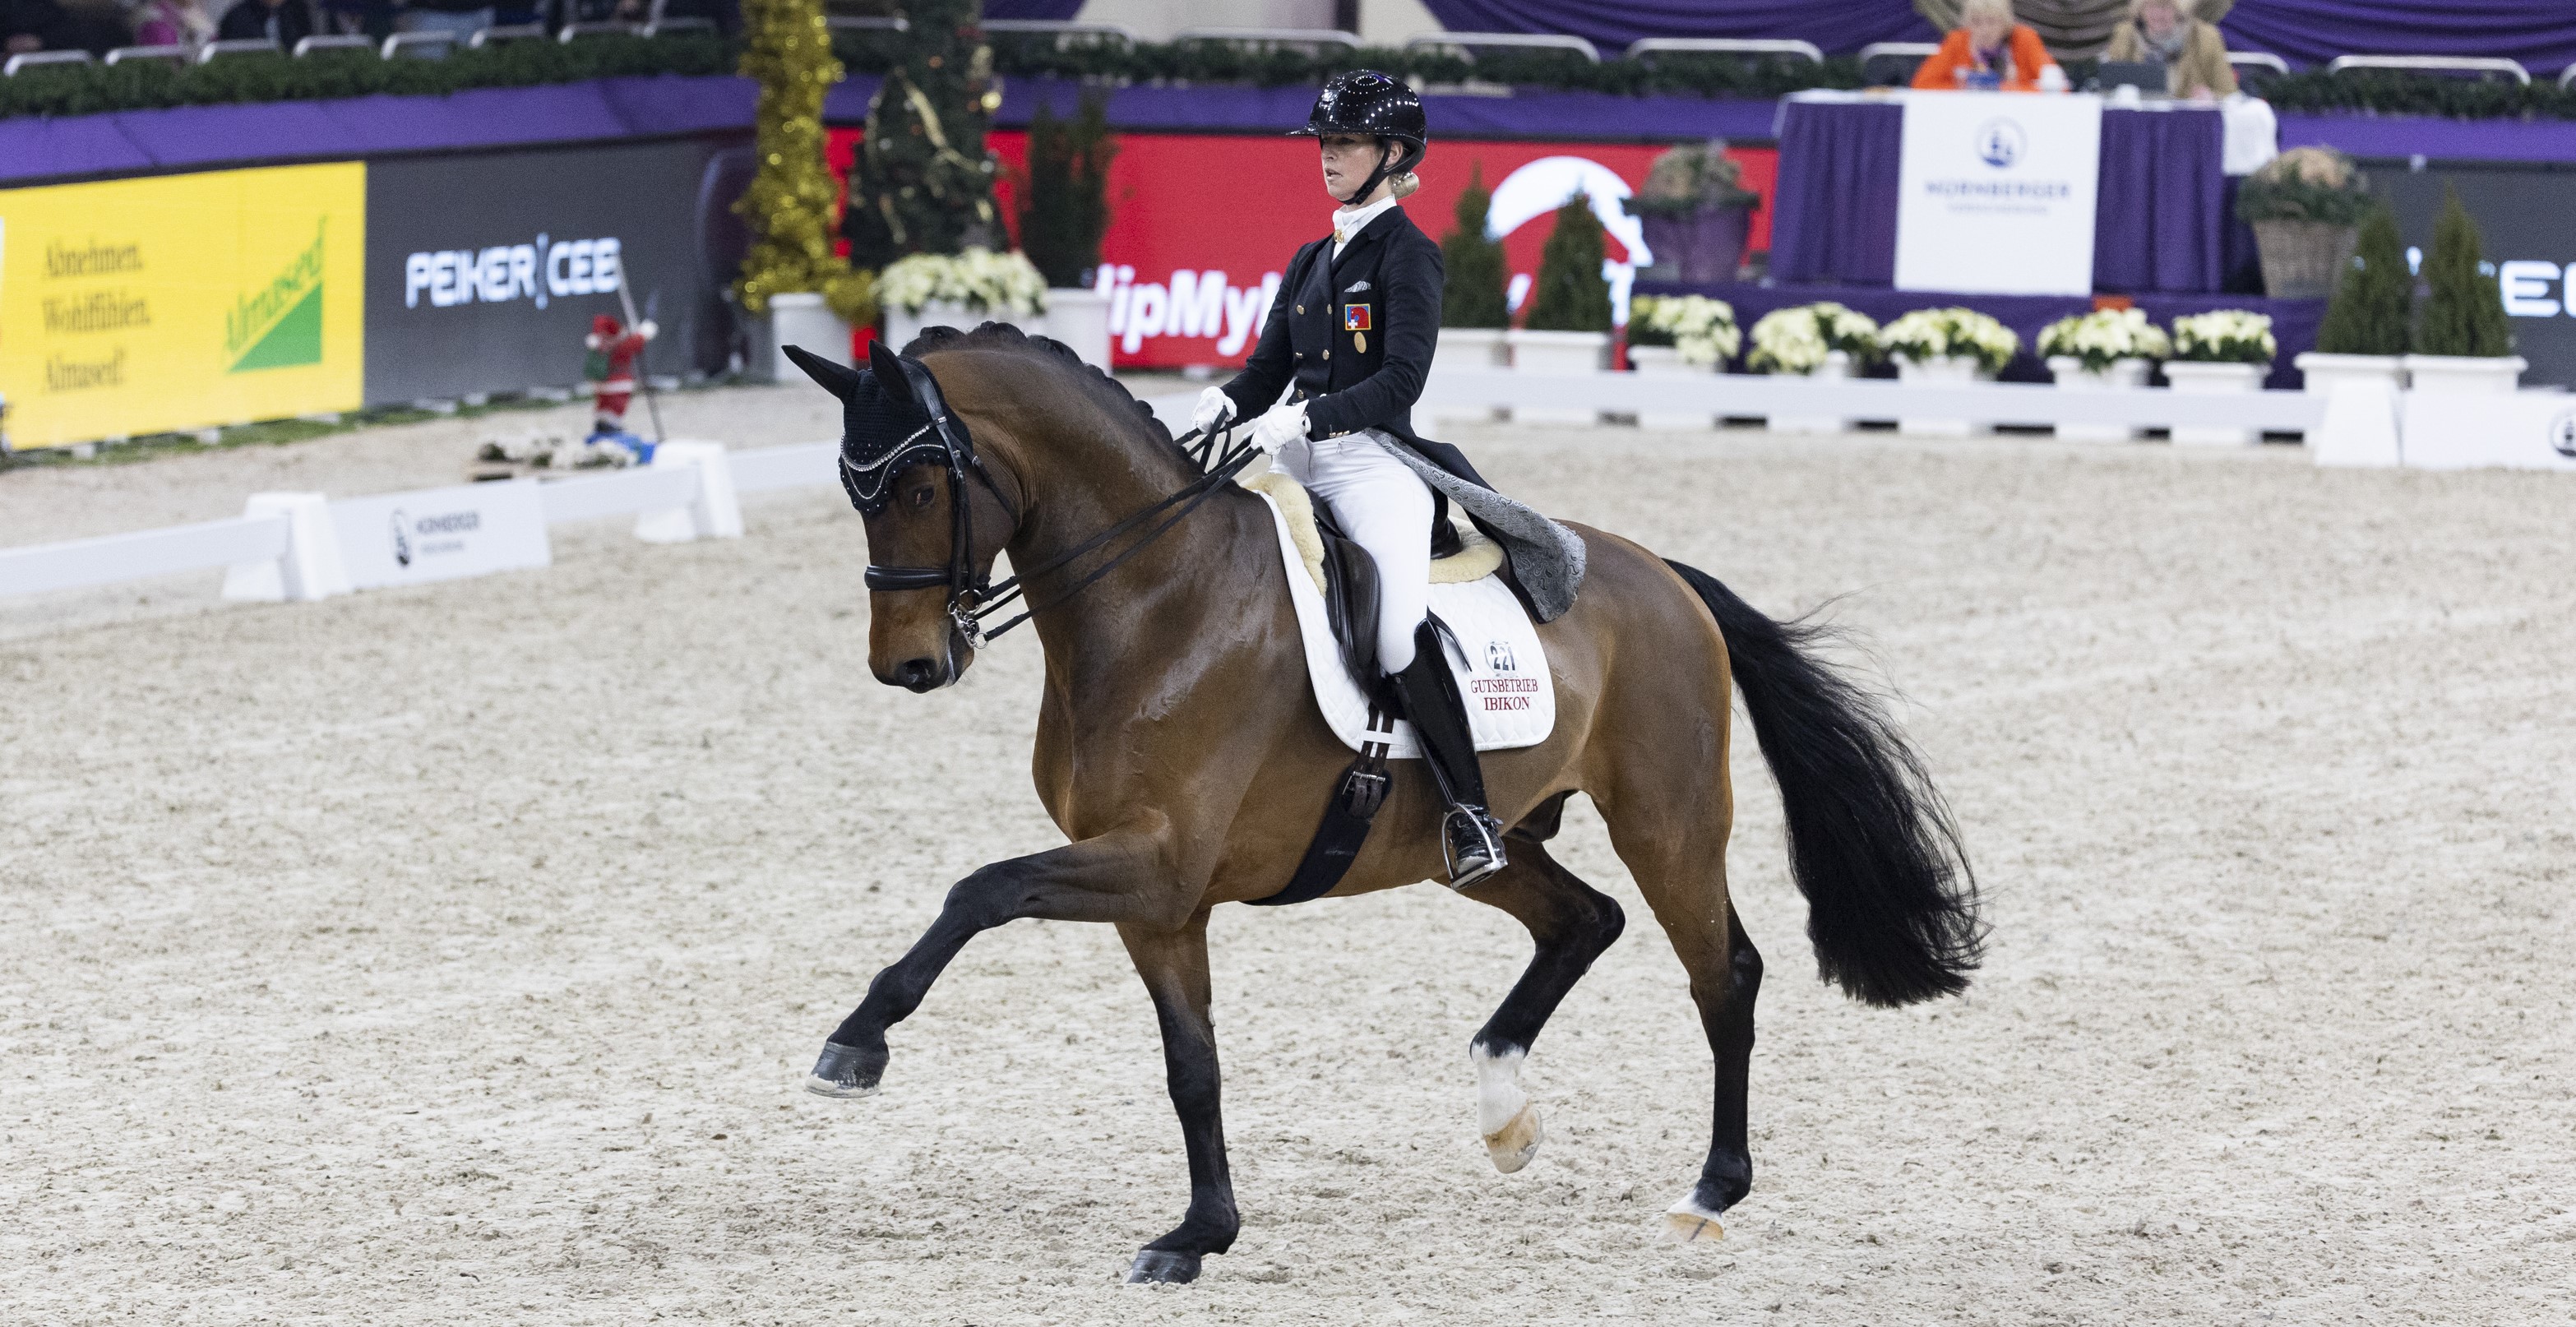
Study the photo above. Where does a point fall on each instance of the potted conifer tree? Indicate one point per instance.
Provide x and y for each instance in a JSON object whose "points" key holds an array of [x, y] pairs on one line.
{"points": [[1568, 328], [1474, 308], [1064, 216], [2464, 344], [2366, 331]]}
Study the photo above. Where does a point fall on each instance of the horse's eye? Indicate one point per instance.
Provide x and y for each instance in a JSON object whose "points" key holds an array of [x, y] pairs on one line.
{"points": [[921, 497]]}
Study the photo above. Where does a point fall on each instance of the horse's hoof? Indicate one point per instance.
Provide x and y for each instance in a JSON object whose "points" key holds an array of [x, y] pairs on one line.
{"points": [[1517, 1141], [846, 1072], [1163, 1267], [1686, 1222]]}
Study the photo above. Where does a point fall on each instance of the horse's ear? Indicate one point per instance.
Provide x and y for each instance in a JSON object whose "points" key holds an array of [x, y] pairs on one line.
{"points": [[889, 371], [838, 379]]}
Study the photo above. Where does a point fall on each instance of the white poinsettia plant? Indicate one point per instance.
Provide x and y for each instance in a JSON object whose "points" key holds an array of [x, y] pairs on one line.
{"points": [[979, 280], [1796, 340], [1702, 329], [2104, 337], [2224, 336], [1928, 334]]}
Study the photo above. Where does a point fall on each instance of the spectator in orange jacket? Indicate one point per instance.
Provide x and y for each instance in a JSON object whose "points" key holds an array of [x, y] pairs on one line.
{"points": [[1989, 50]]}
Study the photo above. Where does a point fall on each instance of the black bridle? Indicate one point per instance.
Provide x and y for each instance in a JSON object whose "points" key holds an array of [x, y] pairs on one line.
{"points": [[972, 596]]}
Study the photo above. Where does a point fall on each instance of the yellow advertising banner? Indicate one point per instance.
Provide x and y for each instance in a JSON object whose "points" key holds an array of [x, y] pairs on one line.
{"points": [[181, 301]]}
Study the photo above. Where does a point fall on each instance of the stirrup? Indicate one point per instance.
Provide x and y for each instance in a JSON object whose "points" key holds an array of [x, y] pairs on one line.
{"points": [[1484, 854]]}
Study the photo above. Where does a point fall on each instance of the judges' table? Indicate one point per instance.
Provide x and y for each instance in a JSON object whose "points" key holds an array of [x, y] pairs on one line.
{"points": [[2161, 222]]}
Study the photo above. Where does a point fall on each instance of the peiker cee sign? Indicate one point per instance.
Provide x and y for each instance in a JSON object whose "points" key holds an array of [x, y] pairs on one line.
{"points": [[483, 272], [499, 273]]}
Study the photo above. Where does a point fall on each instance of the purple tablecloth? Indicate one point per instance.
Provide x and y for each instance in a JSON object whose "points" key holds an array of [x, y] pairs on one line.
{"points": [[2160, 223], [2294, 322]]}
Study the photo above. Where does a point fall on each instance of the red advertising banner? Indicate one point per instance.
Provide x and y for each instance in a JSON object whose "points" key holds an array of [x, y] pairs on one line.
{"points": [[1201, 225]]}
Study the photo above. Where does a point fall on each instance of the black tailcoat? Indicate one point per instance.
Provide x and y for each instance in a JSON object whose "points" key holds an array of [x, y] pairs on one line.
{"points": [[1354, 336]]}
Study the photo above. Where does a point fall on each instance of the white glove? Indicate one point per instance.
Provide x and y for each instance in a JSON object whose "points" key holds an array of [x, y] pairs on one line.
{"points": [[647, 329], [1283, 424], [1214, 408]]}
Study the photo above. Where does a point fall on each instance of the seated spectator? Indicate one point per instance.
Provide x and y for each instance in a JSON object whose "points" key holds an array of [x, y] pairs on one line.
{"points": [[1987, 51], [284, 22], [43, 25], [173, 23], [2165, 32]]}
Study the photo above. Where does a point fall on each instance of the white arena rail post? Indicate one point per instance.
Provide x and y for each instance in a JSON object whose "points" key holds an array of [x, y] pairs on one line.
{"points": [[309, 568], [716, 512], [2359, 428]]}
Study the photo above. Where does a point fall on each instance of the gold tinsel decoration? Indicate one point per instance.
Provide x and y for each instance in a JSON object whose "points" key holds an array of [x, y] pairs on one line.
{"points": [[787, 49]]}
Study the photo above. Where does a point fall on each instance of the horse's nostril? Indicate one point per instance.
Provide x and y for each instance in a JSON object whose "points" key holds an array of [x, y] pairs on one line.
{"points": [[916, 672]]}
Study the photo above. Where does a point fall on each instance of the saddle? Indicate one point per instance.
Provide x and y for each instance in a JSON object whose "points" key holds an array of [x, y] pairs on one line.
{"points": [[1489, 634], [1346, 576]]}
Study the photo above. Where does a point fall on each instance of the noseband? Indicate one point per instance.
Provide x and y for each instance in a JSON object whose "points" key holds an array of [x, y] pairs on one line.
{"points": [[973, 597]]}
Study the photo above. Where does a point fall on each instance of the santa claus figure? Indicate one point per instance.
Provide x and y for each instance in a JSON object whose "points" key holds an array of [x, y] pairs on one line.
{"points": [[614, 348]]}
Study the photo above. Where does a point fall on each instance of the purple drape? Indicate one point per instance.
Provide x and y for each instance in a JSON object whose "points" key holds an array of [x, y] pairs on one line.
{"points": [[2539, 33], [2160, 223], [1833, 210], [1054, 11], [1839, 26], [2161, 219]]}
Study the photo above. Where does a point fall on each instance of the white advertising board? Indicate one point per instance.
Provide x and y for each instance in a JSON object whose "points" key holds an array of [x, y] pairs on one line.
{"points": [[1996, 193], [440, 534], [2509, 430]]}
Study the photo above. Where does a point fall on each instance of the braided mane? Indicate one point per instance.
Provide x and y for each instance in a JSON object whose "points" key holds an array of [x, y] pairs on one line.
{"points": [[1005, 337]]}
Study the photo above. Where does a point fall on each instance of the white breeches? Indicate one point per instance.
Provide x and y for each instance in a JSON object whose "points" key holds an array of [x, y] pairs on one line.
{"points": [[1385, 508]]}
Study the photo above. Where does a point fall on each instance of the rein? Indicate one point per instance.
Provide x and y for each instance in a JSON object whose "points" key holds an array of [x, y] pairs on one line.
{"points": [[972, 598]]}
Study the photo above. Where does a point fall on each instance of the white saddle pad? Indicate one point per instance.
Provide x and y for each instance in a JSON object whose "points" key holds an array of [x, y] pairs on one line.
{"points": [[1511, 701]]}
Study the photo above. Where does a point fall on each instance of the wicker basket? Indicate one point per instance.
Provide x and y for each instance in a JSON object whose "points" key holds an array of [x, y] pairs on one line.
{"points": [[2303, 259]]}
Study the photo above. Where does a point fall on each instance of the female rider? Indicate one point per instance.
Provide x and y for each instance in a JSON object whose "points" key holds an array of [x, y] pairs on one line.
{"points": [[1350, 338]]}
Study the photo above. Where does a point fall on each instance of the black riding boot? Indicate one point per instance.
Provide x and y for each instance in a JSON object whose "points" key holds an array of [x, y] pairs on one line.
{"points": [[1427, 692]]}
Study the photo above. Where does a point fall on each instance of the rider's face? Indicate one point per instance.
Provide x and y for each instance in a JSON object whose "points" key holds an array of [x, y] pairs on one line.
{"points": [[1348, 159]]}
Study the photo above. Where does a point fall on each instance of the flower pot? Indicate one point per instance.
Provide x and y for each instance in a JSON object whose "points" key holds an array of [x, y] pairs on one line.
{"points": [[1079, 317], [2191, 379], [2477, 375], [1470, 348], [1836, 368], [2320, 372], [1666, 362], [2123, 375], [1943, 371], [1558, 352], [1699, 249], [802, 320], [2302, 259]]}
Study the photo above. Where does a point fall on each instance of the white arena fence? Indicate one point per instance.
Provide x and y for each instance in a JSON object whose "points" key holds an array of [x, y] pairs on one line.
{"points": [[303, 546]]}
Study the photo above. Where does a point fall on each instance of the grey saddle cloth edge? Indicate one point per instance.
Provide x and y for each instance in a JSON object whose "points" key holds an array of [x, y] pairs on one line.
{"points": [[1547, 558]]}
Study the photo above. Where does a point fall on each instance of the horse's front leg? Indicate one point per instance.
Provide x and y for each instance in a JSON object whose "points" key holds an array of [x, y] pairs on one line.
{"points": [[1117, 877], [1174, 964]]}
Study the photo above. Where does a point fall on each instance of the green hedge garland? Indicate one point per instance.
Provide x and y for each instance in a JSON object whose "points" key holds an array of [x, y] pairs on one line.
{"points": [[82, 90]]}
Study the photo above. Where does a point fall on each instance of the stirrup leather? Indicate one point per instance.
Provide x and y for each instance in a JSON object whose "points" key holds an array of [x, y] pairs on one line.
{"points": [[1485, 846]]}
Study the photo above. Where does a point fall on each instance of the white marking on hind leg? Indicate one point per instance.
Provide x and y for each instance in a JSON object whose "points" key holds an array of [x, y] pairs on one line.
{"points": [[1504, 1114]]}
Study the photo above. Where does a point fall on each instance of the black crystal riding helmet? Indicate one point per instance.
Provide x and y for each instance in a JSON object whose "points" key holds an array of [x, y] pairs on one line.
{"points": [[1366, 102]]}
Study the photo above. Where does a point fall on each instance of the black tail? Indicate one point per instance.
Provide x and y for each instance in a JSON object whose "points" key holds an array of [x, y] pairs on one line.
{"points": [[1891, 903]]}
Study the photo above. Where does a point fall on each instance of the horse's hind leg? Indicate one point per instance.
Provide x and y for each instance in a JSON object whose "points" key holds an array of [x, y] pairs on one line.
{"points": [[1677, 852], [1174, 965], [1570, 923]]}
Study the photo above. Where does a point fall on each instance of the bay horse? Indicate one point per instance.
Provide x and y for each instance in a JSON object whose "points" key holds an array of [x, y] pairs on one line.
{"points": [[1179, 751]]}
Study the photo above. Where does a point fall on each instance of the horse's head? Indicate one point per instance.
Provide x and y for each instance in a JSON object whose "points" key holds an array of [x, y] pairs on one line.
{"points": [[934, 519]]}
